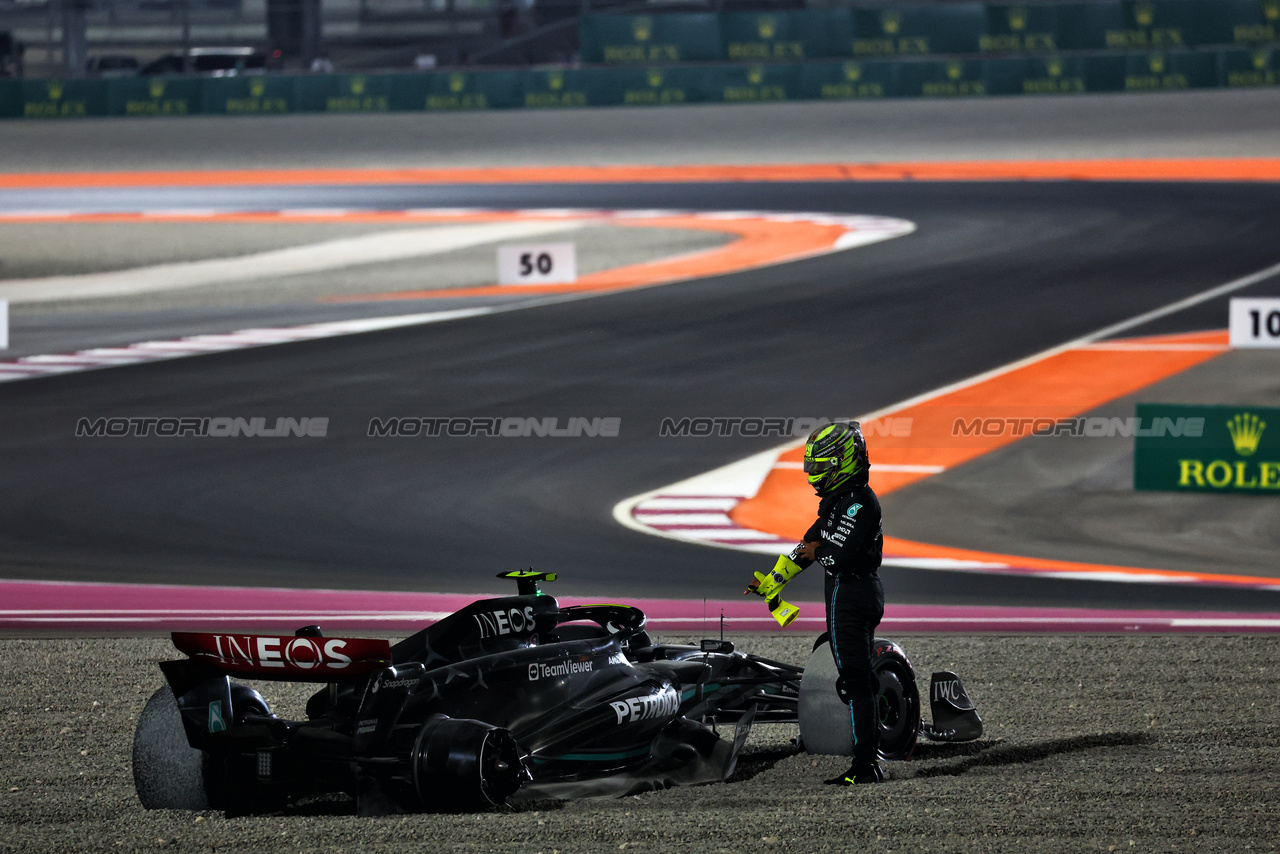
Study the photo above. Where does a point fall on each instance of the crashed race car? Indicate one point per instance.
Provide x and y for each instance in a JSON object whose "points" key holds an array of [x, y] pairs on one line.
{"points": [[508, 700]]}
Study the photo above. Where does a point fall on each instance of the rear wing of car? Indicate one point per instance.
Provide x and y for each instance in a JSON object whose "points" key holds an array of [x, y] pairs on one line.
{"points": [[285, 658], [211, 705]]}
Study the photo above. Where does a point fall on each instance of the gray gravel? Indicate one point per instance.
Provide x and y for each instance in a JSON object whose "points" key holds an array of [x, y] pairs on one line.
{"points": [[1131, 743]]}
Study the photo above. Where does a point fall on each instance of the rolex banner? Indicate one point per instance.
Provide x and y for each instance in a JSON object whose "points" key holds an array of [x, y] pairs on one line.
{"points": [[1207, 449]]}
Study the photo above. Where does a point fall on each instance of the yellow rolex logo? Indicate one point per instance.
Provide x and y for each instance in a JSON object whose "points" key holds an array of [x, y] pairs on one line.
{"points": [[1246, 432], [891, 22], [258, 88], [1271, 11], [1260, 60], [157, 88], [642, 28], [655, 77], [1017, 18], [1053, 66], [755, 75], [955, 70], [357, 85], [457, 82], [767, 26], [55, 90], [555, 79], [1144, 14], [852, 72], [1156, 63]]}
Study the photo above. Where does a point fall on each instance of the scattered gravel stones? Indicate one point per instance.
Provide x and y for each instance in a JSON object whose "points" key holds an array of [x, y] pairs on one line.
{"points": [[1092, 743]]}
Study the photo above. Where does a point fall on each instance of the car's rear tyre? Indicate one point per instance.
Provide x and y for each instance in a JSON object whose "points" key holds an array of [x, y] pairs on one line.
{"points": [[825, 725], [465, 765], [168, 773]]}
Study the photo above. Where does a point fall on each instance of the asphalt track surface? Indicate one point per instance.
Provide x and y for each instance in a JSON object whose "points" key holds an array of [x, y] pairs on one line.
{"points": [[995, 272]]}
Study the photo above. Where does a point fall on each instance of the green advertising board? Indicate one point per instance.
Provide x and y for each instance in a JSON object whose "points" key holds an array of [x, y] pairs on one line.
{"points": [[155, 96], [670, 37], [1170, 70], [918, 30], [785, 36], [1243, 22], [360, 93], [1055, 75], [1207, 449], [1159, 24], [1259, 67], [65, 99], [569, 88], [1130, 25], [943, 78], [254, 95], [758, 83], [952, 28], [660, 86], [852, 79], [468, 90], [1020, 29], [10, 99]]}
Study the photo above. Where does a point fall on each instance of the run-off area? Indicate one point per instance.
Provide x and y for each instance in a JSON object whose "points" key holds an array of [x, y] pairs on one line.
{"points": [[1092, 743], [39, 259]]}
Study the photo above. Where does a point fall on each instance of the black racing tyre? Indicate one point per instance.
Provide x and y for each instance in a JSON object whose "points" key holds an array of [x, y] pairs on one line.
{"points": [[897, 701], [825, 724], [464, 765], [168, 773]]}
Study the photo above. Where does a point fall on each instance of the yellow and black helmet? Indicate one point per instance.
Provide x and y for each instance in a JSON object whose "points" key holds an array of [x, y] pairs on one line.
{"points": [[835, 457]]}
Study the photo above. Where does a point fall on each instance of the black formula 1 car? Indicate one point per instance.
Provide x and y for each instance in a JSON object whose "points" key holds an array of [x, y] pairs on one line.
{"points": [[507, 700]]}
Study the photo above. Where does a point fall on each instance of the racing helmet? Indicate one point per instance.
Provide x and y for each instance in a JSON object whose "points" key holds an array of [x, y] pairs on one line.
{"points": [[835, 457]]}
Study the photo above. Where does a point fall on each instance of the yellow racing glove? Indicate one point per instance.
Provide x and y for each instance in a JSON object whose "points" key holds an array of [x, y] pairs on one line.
{"points": [[783, 612], [770, 584]]}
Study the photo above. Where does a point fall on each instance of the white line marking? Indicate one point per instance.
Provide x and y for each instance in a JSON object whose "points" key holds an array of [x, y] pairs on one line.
{"points": [[943, 563], [1223, 623], [677, 517], [677, 503], [200, 345]]}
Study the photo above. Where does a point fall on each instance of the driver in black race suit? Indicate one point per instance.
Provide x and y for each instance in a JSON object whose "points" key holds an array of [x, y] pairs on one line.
{"points": [[847, 542]]}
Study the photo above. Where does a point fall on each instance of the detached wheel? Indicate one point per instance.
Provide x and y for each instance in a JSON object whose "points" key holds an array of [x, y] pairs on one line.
{"points": [[168, 773], [825, 723], [897, 702]]}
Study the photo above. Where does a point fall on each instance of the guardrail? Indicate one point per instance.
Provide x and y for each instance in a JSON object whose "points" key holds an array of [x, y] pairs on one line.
{"points": [[1116, 71]]}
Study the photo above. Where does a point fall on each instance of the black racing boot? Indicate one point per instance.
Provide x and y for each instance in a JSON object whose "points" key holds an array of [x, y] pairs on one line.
{"points": [[859, 774]]}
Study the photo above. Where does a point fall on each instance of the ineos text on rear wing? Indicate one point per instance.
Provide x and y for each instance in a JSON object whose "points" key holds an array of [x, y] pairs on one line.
{"points": [[286, 658]]}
